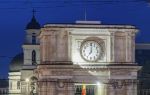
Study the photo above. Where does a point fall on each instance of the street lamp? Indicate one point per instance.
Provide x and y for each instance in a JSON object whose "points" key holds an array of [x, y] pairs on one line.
{"points": [[27, 81]]}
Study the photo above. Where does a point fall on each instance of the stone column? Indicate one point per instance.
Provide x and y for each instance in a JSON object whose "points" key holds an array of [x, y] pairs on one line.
{"points": [[71, 89], [111, 90], [130, 90], [112, 46]]}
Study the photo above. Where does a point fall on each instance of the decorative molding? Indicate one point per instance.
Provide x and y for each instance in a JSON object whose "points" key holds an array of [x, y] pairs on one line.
{"points": [[119, 84]]}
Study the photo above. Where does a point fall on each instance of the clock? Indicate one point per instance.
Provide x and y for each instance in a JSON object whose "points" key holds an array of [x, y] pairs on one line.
{"points": [[91, 51]]}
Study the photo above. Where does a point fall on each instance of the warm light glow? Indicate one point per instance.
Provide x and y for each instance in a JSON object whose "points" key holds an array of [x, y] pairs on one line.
{"points": [[100, 88], [27, 80], [98, 83]]}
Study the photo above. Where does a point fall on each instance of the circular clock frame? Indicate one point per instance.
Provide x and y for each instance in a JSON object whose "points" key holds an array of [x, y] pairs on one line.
{"points": [[100, 44]]}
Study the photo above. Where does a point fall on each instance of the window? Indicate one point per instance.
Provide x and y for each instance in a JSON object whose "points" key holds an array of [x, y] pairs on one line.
{"points": [[18, 84], [33, 57], [33, 38], [90, 89]]}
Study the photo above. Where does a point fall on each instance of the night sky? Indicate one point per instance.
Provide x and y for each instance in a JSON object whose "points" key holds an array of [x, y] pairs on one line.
{"points": [[15, 14]]}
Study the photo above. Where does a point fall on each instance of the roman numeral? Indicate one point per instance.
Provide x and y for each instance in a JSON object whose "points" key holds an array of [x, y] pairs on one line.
{"points": [[90, 44], [90, 58], [94, 58]]}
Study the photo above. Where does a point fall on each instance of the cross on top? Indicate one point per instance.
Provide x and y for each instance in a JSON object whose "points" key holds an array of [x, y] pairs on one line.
{"points": [[33, 11]]}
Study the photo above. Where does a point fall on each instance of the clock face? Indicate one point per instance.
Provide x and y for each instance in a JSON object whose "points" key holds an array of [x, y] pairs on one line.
{"points": [[90, 51]]}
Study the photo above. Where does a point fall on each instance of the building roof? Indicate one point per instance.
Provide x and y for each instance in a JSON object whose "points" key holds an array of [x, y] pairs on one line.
{"points": [[143, 46], [88, 24], [33, 24], [16, 63]]}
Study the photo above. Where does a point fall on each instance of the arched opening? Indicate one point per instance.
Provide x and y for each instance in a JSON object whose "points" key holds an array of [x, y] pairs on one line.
{"points": [[33, 57], [33, 38]]}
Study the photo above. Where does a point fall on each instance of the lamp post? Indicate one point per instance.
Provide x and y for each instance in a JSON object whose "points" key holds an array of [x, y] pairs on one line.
{"points": [[27, 81]]}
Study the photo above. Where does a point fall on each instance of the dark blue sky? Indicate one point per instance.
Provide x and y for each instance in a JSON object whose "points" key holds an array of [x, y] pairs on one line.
{"points": [[15, 14]]}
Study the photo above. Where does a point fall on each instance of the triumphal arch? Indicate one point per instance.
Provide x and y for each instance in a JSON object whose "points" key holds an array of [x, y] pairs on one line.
{"points": [[87, 58]]}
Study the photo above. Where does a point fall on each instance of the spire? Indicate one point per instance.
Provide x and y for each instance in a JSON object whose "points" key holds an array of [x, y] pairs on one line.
{"points": [[33, 13], [33, 24]]}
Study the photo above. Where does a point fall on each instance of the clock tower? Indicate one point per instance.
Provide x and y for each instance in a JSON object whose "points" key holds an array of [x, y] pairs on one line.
{"points": [[87, 57]]}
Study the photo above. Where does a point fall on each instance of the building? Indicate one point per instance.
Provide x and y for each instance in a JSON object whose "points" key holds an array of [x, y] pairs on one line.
{"points": [[70, 59], [3, 86], [23, 64], [99, 58], [143, 58]]}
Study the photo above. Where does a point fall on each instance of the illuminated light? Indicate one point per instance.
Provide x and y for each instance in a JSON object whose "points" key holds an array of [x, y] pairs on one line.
{"points": [[98, 83], [27, 80], [100, 89]]}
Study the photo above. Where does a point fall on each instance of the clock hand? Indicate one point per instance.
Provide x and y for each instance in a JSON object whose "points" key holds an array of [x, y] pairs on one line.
{"points": [[90, 51]]}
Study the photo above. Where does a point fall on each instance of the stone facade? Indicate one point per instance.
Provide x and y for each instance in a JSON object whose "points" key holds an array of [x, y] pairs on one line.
{"points": [[63, 70]]}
